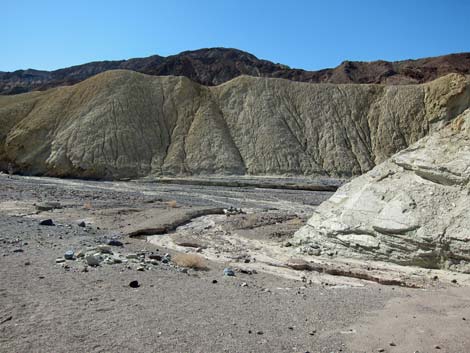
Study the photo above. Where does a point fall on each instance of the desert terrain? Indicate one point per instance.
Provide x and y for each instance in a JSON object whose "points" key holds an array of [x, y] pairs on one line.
{"points": [[273, 302], [211, 201]]}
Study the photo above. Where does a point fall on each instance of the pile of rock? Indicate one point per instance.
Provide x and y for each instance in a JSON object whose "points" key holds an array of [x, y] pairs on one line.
{"points": [[106, 254]]}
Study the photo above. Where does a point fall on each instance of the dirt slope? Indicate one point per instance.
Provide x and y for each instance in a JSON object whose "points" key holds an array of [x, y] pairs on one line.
{"points": [[124, 124]]}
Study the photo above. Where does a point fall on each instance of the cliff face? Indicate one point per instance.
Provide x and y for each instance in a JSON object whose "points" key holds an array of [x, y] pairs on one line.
{"points": [[214, 66], [411, 209], [124, 124]]}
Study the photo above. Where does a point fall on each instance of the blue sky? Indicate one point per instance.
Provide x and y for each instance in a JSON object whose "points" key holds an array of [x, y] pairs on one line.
{"points": [[50, 34]]}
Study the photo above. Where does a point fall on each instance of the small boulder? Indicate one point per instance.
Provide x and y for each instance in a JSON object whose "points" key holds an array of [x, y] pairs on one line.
{"points": [[81, 224], [229, 272], [46, 222], [166, 258], [114, 242], [105, 249], [69, 255], [134, 284], [156, 257], [92, 260], [47, 206]]}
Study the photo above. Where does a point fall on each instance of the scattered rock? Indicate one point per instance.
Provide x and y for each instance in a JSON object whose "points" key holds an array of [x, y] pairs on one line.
{"points": [[46, 222], [134, 284], [247, 271], [233, 211], [228, 272], [105, 249], [47, 206], [80, 254], [117, 259], [156, 257], [115, 242], [9, 318], [93, 260]]}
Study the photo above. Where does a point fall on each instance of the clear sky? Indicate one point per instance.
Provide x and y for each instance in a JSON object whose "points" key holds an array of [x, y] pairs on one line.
{"points": [[308, 34]]}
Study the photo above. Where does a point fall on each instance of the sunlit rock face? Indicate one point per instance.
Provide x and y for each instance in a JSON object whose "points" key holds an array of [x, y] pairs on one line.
{"points": [[125, 124], [411, 209]]}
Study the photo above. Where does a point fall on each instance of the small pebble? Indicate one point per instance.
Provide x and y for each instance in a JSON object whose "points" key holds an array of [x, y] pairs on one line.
{"points": [[134, 284]]}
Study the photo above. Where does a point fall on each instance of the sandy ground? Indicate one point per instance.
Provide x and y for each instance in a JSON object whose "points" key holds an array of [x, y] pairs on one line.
{"points": [[51, 307]]}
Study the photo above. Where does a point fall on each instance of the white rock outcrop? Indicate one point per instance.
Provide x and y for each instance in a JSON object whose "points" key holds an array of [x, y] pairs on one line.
{"points": [[412, 209]]}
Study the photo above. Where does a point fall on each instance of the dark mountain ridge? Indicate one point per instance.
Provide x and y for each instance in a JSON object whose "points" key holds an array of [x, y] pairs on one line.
{"points": [[214, 66]]}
